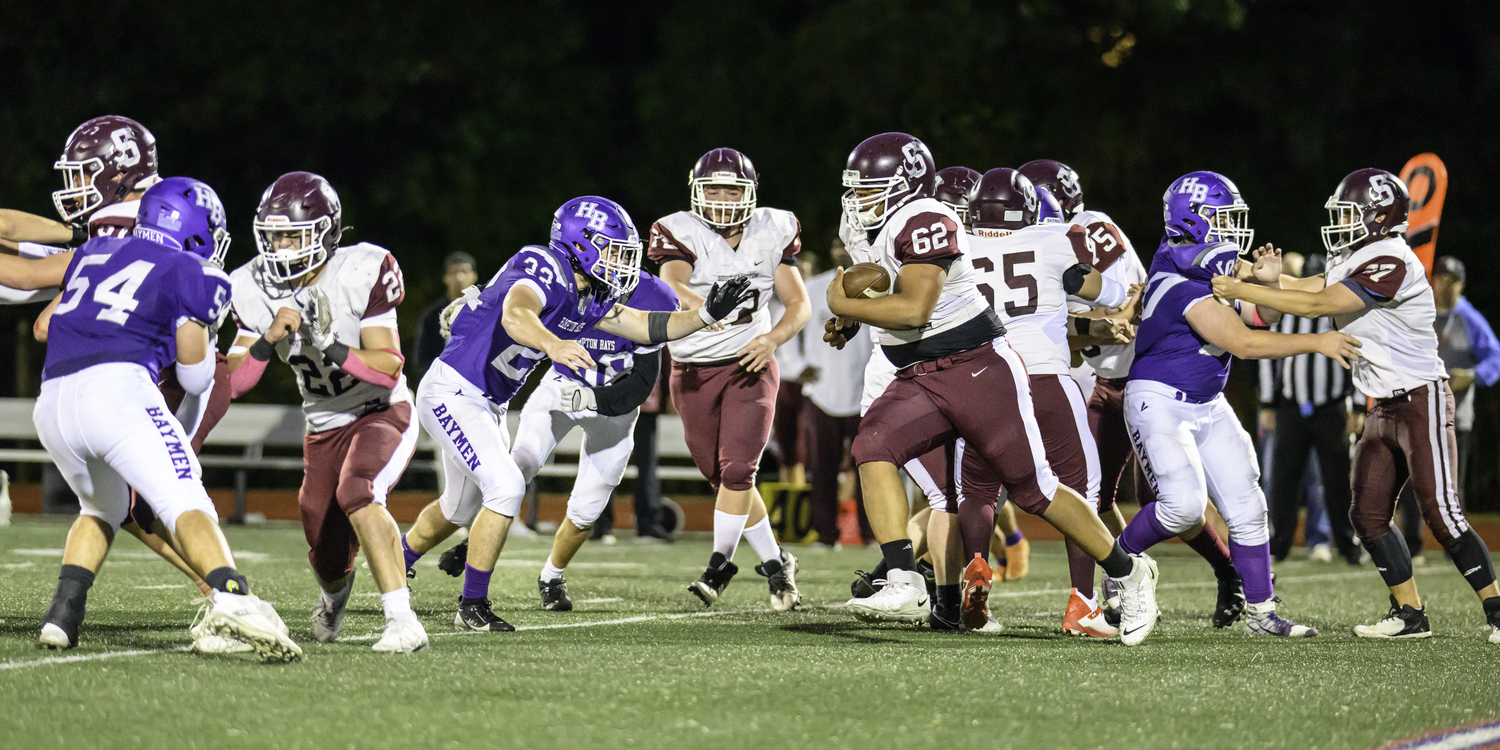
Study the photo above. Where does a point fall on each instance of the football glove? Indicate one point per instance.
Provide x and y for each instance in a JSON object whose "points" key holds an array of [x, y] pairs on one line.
{"points": [[466, 301], [577, 397], [724, 297], [317, 319]]}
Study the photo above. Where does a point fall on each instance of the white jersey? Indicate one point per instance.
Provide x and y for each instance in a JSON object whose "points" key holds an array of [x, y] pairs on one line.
{"points": [[1115, 258], [928, 231], [1021, 275], [1400, 348], [364, 285], [841, 372], [773, 236]]}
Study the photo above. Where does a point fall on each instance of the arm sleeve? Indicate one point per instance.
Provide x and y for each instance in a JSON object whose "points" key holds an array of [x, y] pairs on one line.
{"points": [[632, 390], [1483, 343]]}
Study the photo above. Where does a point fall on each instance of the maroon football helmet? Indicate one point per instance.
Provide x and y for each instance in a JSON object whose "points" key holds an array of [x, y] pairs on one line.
{"points": [[1004, 200], [297, 226], [953, 187], [726, 167], [1059, 179], [103, 161], [1369, 205], [884, 173]]}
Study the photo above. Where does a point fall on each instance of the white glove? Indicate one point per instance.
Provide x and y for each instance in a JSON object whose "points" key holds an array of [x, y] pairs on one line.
{"points": [[467, 301], [577, 397], [317, 320]]}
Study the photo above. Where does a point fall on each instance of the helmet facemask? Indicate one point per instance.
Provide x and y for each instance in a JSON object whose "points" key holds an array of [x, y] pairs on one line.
{"points": [[1230, 224], [867, 202], [723, 214], [1345, 228], [619, 265], [289, 249], [79, 196]]}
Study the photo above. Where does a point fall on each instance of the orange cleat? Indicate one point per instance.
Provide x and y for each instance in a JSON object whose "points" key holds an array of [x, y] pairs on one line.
{"points": [[1017, 560], [1083, 619], [975, 610]]}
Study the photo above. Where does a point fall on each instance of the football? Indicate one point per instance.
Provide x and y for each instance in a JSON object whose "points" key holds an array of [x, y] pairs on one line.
{"points": [[867, 280]]}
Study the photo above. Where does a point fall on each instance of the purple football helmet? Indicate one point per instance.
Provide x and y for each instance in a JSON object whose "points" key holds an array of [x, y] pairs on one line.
{"points": [[1368, 205], [298, 225], [1059, 179], [184, 214], [1004, 200], [103, 161], [601, 241], [1206, 207], [723, 167], [884, 173], [954, 185], [1049, 211]]}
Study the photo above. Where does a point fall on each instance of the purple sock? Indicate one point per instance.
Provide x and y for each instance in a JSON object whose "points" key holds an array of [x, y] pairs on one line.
{"points": [[1144, 532], [477, 582], [411, 557], [1012, 540], [1254, 566]]}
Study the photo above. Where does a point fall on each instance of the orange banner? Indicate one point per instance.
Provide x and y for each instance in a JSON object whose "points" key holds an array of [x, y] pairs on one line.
{"points": [[1427, 180]]}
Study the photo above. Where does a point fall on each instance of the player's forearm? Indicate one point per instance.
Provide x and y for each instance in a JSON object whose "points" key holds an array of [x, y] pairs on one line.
{"points": [[247, 364], [893, 312], [1268, 345], [19, 226], [1293, 301], [22, 273], [526, 329]]}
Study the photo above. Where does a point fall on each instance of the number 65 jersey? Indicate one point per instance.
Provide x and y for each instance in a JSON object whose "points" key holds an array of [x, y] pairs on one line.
{"points": [[364, 286]]}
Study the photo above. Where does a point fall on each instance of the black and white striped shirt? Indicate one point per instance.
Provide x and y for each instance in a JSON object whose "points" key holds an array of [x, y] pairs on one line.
{"points": [[1306, 378]]}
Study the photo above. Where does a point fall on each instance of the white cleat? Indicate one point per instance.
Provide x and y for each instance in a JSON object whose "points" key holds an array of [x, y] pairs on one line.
{"points": [[991, 625], [903, 598], [1261, 619], [1138, 611], [402, 636], [242, 617], [783, 584], [205, 641], [55, 638], [1495, 634], [328, 613]]}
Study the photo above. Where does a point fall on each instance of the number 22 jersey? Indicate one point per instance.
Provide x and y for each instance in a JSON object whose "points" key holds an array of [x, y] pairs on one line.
{"points": [[364, 285]]}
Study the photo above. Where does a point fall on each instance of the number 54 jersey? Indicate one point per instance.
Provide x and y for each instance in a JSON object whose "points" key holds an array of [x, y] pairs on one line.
{"points": [[364, 286]]}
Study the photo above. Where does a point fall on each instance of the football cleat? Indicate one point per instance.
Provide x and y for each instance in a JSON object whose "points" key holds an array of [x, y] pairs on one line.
{"points": [[929, 577], [1017, 560], [1110, 605], [55, 638], [205, 641], [991, 625], [1403, 621], [1322, 553], [865, 584], [1261, 619], [950, 621], [1138, 610], [403, 635], [453, 559], [328, 613], [710, 586], [902, 599], [974, 599], [783, 583], [243, 617], [1492, 616], [476, 615], [1231, 602], [60, 624], [1082, 618], [555, 595]]}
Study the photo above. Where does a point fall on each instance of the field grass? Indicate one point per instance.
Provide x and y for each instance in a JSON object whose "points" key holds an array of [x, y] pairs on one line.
{"points": [[641, 665]]}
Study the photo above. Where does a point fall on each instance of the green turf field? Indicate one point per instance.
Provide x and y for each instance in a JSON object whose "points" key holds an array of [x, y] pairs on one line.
{"points": [[641, 664]]}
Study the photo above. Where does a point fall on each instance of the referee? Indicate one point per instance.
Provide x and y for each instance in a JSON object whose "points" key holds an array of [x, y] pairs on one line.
{"points": [[1310, 393]]}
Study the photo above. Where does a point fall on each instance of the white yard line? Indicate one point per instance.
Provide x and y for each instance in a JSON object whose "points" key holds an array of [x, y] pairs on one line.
{"points": [[75, 658]]}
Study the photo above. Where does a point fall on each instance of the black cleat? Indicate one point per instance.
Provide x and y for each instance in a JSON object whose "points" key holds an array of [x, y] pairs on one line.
{"points": [[453, 560], [1401, 622], [555, 595], [476, 615], [949, 621], [1231, 603], [1110, 603], [865, 585], [710, 586], [929, 574]]}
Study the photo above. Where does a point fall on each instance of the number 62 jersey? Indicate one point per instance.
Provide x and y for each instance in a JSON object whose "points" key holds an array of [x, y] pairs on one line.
{"points": [[364, 286]]}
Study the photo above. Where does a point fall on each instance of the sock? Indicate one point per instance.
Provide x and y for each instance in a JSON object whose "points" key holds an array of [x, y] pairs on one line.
{"points": [[550, 572], [976, 524], [397, 604], [898, 556], [1118, 563], [1253, 563], [476, 582], [1211, 548], [1391, 557], [338, 598], [1088, 598], [411, 556], [1473, 560], [228, 580], [948, 598], [1012, 540], [1144, 532], [1080, 568], [727, 530], [763, 540]]}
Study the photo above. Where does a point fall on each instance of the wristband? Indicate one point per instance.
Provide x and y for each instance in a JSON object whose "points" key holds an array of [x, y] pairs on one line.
{"points": [[707, 319], [656, 326], [80, 233], [337, 352], [262, 349], [1081, 326]]}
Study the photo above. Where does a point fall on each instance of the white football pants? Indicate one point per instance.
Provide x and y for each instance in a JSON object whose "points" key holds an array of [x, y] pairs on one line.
{"points": [[607, 444], [469, 432]]}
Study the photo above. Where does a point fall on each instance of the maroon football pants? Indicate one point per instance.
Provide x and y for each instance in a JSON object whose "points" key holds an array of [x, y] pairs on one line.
{"points": [[726, 418]]}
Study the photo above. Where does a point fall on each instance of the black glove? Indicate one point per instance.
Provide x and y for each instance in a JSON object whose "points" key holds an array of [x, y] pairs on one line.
{"points": [[724, 297], [80, 233]]}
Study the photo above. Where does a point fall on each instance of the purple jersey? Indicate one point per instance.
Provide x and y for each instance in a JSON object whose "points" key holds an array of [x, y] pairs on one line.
{"points": [[123, 301], [1167, 349], [614, 356], [486, 355]]}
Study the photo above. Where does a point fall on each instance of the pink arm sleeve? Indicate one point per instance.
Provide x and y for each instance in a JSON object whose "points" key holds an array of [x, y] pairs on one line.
{"points": [[245, 378], [357, 367]]}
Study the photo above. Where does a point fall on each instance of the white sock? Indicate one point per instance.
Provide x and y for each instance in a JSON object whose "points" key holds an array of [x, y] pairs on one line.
{"points": [[1089, 600], [763, 539], [550, 571], [397, 604], [727, 530]]}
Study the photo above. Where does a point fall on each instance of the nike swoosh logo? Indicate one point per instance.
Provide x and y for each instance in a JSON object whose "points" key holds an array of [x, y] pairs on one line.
{"points": [[1133, 631], [976, 374]]}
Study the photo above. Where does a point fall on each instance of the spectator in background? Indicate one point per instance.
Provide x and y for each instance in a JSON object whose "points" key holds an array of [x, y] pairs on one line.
{"points": [[789, 425], [459, 271]]}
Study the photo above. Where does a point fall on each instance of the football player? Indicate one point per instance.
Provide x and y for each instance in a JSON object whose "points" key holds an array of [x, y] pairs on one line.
{"points": [[948, 347], [724, 381], [330, 313], [1189, 442], [131, 306], [1115, 257], [1378, 290], [603, 400], [535, 308]]}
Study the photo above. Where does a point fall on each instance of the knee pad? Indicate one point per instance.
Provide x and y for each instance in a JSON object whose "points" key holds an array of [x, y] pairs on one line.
{"points": [[1391, 557], [583, 513], [1471, 557], [738, 475], [1178, 515], [168, 513], [1367, 524]]}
